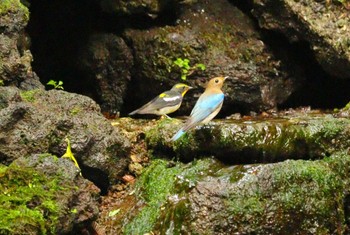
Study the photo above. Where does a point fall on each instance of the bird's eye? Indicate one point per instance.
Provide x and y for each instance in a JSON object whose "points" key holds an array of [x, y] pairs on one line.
{"points": [[216, 80]]}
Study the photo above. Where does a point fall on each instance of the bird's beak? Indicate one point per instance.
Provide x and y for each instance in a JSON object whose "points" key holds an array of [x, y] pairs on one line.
{"points": [[189, 87], [226, 77]]}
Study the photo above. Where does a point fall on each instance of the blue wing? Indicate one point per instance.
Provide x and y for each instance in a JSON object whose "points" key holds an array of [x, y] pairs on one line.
{"points": [[205, 105]]}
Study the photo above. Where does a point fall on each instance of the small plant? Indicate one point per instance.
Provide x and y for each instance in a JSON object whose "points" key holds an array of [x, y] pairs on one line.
{"points": [[55, 84], [186, 68], [2, 82]]}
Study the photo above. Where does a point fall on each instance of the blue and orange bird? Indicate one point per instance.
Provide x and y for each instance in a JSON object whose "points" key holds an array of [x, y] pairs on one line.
{"points": [[165, 103], [207, 107]]}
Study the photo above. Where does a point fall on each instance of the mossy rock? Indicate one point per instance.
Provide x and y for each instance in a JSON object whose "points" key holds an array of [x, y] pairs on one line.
{"points": [[208, 197], [7, 6], [292, 197], [38, 196], [37, 121], [159, 185], [257, 140]]}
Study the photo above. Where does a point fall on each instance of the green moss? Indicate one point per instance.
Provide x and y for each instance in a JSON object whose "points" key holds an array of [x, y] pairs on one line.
{"points": [[308, 137], [27, 202], [29, 96], [12, 6], [155, 136], [157, 183], [75, 110], [296, 194], [304, 196]]}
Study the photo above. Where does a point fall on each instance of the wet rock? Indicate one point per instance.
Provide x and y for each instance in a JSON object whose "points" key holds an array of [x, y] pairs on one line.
{"points": [[287, 198], [107, 61], [41, 120], [307, 136], [15, 57], [323, 24], [207, 197], [42, 194], [230, 46]]}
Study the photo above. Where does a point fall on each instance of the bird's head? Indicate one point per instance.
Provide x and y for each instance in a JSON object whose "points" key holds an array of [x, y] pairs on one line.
{"points": [[182, 88], [216, 82]]}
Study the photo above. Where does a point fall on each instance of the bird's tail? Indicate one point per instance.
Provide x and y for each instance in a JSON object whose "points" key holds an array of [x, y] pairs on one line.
{"points": [[178, 134], [139, 110]]}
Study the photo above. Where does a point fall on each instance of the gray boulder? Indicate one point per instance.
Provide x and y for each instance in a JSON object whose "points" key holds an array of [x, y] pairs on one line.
{"points": [[15, 57], [38, 121], [107, 62], [324, 24]]}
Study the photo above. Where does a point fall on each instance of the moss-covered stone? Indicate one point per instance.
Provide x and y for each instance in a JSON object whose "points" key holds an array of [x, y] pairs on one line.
{"points": [[154, 186], [260, 140], [162, 184], [38, 121], [292, 197], [13, 5], [28, 200], [299, 194], [207, 197]]}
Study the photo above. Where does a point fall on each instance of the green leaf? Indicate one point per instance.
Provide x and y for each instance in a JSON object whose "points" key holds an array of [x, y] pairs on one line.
{"points": [[201, 66], [55, 84], [179, 62], [52, 83], [183, 77]]}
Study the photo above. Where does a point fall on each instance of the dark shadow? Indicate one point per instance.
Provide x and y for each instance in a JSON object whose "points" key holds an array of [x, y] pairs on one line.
{"points": [[97, 176]]}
